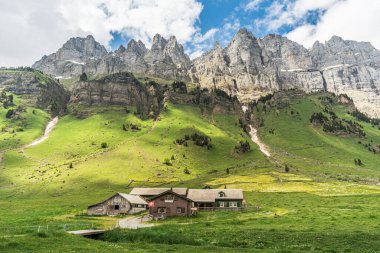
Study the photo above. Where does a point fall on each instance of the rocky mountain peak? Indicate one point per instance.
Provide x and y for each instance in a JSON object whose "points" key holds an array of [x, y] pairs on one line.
{"points": [[159, 42], [173, 44], [248, 67], [120, 50], [78, 49], [137, 47]]}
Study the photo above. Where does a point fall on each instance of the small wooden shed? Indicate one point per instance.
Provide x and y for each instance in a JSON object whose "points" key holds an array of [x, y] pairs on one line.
{"points": [[120, 203]]}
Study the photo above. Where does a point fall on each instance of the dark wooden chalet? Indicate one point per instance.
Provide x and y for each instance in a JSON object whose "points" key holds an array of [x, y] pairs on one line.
{"points": [[169, 203]]}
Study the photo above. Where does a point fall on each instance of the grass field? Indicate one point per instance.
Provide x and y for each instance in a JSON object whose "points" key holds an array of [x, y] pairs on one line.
{"points": [[324, 204]]}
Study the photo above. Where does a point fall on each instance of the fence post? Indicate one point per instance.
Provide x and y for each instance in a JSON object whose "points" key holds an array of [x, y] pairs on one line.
{"points": [[38, 230]]}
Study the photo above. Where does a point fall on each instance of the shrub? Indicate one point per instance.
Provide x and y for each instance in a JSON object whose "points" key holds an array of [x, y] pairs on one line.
{"points": [[168, 162], [83, 77], [243, 147], [179, 87], [104, 145], [187, 171], [10, 113], [358, 162], [287, 169]]}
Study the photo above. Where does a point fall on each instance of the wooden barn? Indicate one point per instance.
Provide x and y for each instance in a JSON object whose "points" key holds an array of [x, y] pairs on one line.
{"points": [[120, 203], [170, 203]]}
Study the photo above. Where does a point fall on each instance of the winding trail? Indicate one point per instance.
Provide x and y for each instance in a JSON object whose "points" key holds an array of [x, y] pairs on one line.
{"points": [[255, 138], [49, 127]]}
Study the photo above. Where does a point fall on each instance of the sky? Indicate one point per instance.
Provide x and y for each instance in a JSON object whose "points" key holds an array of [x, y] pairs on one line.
{"points": [[31, 29]]}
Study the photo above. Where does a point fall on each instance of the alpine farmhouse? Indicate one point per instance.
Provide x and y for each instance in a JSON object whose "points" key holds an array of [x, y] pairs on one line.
{"points": [[167, 202]]}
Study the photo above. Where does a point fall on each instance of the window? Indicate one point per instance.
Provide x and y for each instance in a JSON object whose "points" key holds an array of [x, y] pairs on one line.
{"points": [[169, 198], [117, 207], [161, 210], [233, 204], [222, 194], [180, 210], [221, 204]]}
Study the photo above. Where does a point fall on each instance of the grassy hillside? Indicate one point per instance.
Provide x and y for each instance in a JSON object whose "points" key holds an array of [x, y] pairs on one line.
{"points": [[324, 203], [308, 149], [22, 129]]}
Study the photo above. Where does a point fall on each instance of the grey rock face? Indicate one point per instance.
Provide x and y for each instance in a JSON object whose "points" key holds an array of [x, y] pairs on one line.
{"points": [[72, 58], [120, 89], [248, 67], [42, 92], [166, 58]]}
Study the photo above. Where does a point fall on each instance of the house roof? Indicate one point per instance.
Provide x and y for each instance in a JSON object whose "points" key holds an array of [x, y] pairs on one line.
{"points": [[170, 191], [210, 195], [156, 191], [133, 199]]}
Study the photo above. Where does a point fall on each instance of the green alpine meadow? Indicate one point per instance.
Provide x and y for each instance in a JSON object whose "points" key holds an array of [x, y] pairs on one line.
{"points": [[189, 126]]}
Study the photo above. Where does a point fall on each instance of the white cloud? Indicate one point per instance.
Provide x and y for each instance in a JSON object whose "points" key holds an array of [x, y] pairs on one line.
{"points": [[31, 29], [288, 12], [350, 19], [253, 5], [202, 43]]}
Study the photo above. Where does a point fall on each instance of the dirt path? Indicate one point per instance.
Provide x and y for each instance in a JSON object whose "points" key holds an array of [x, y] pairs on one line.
{"points": [[255, 138], [134, 223], [50, 126]]}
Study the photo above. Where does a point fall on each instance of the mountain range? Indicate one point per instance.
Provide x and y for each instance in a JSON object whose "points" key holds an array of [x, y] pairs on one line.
{"points": [[247, 67]]}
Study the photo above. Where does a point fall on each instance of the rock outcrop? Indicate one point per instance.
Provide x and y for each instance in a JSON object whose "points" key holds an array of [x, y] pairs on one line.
{"points": [[248, 67], [36, 89], [121, 89]]}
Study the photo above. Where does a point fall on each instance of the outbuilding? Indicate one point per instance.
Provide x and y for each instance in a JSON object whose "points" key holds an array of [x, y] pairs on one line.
{"points": [[120, 203], [216, 199]]}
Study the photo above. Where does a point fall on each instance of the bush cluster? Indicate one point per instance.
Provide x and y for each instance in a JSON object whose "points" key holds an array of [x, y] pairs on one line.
{"points": [[335, 125], [243, 147], [198, 139], [179, 87]]}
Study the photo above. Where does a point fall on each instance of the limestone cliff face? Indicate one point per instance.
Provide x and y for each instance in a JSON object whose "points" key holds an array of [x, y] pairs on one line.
{"points": [[35, 88], [72, 58], [247, 67], [166, 58], [120, 89]]}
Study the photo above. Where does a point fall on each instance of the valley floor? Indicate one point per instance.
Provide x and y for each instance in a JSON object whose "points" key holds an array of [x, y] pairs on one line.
{"points": [[319, 205]]}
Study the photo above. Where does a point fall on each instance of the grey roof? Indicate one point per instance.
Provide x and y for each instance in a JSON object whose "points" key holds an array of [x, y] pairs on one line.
{"points": [[156, 191], [133, 199], [210, 195]]}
